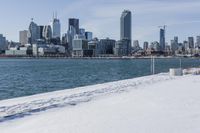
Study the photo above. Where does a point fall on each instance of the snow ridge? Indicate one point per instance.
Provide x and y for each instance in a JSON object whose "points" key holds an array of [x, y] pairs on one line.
{"points": [[87, 94]]}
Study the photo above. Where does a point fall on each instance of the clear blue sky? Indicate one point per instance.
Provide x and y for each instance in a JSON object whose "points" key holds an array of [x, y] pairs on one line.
{"points": [[102, 17]]}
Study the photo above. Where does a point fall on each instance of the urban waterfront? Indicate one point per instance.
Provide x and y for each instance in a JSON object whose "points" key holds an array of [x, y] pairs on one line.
{"points": [[23, 77]]}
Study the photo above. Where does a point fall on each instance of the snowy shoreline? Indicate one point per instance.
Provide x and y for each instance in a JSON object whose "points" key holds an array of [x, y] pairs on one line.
{"points": [[23, 106], [153, 104]]}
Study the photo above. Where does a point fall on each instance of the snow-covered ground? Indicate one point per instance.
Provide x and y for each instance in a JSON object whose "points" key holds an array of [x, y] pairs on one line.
{"points": [[151, 104]]}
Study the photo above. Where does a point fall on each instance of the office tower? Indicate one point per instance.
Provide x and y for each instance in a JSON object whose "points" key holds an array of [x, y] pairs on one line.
{"points": [[92, 44], [136, 44], [64, 38], [89, 35], [174, 44], [176, 40], [121, 47], [41, 28], [70, 36], [33, 33], [23, 37], [56, 27], [198, 42], [125, 25], [80, 47], [185, 45], [125, 28], [73, 22], [105, 46], [180, 47], [2, 42], [47, 33], [191, 42], [162, 39], [82, 31], [155, 46], [145, 46]]}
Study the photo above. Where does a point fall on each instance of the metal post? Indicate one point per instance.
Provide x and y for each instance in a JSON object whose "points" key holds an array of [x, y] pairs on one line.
{"points": [[153, 65], [180, 63]]}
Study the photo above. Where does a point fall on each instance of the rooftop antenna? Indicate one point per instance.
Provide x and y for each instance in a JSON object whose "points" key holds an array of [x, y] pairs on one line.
{"points": [[56, 15]]}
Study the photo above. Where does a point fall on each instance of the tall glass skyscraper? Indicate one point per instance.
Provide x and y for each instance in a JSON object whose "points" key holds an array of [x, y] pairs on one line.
{"points": [[88, 35], [47, 32], [198, 42], [125, 25], [125, 31], [2, 42], [41, 27], [191, 42], [56, 27], [162, 39], [33, 32], [73, 22]]}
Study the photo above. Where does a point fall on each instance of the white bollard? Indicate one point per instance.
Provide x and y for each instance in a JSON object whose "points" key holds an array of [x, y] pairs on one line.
{"points": [[176, 72]]}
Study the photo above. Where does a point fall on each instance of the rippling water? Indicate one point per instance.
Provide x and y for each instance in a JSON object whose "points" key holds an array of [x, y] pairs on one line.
{"points": [[22, 77]]}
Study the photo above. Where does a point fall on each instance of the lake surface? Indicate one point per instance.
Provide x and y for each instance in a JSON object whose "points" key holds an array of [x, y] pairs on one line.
{"points": [[23, 77]]}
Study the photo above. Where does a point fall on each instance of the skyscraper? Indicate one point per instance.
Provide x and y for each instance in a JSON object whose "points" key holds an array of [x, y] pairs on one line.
{"points": [[70, 36], [162, 39], [136, 44], [125, 25], [198, 42], [174, 44], [23, 37], [176, 39], [47, 33], [186, 45], [73, 22], [41, 27], [56, 28], [33, 33], [125, 29], [145, 46], [88, 35], [2, 42], [82, 31], [191, 42]]}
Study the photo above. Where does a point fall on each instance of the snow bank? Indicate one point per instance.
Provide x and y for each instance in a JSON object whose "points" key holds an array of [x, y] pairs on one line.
{"points": [[194, 71], [20, 107], [153, 104]]}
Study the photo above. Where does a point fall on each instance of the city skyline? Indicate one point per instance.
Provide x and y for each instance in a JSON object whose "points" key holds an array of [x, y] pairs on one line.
{"points": [[181, 18]]}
